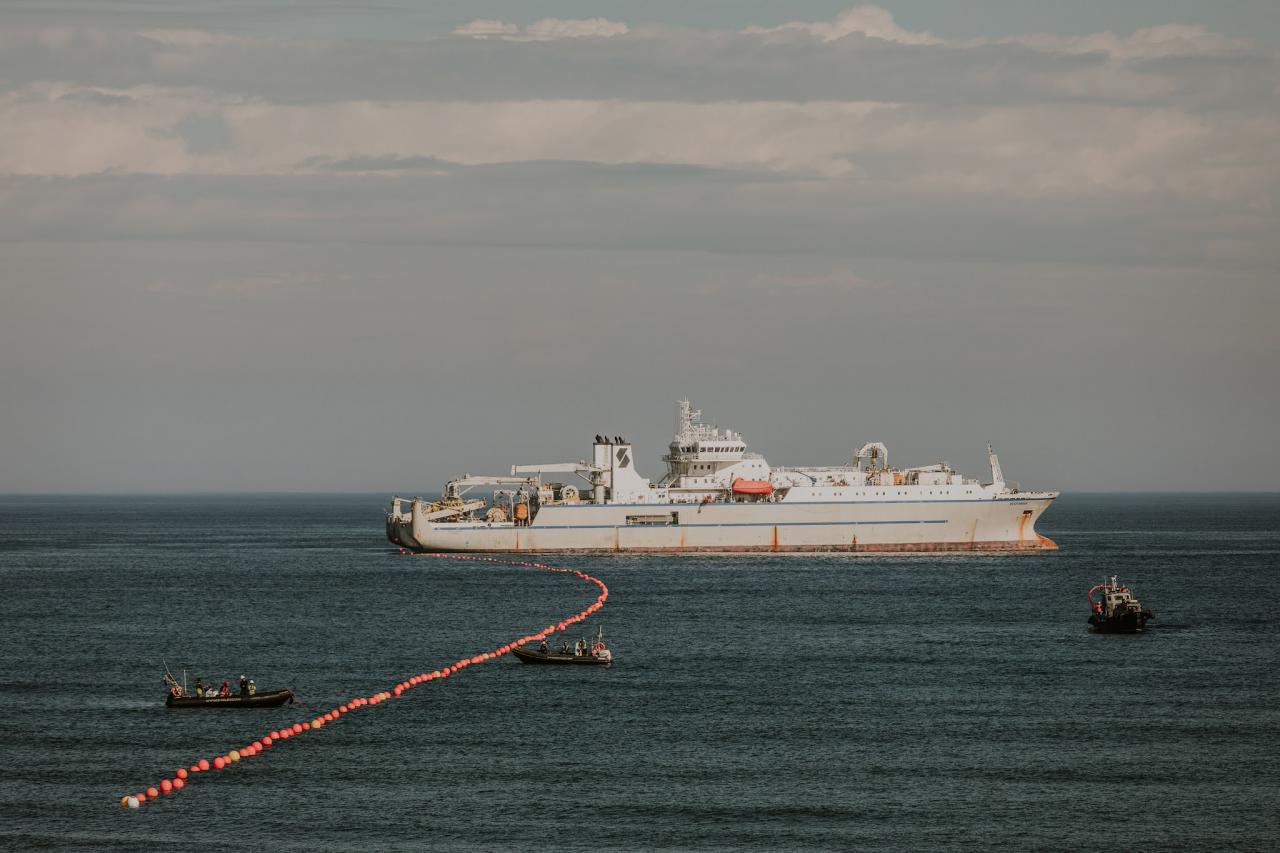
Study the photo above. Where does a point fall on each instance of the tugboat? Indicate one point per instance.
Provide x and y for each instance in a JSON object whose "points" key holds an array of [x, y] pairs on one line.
{"points": [[1116, 611], [582, 654]]}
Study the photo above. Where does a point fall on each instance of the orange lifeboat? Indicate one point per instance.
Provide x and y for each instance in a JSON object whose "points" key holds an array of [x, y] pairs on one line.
{"points": [[752, 487]]}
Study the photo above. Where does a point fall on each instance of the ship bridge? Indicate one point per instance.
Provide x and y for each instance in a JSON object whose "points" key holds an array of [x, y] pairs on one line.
{"points": [[703, 456]]}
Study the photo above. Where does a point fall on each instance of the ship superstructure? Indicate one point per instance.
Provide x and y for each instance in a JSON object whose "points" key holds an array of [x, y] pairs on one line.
{"points": [[718, 496]]}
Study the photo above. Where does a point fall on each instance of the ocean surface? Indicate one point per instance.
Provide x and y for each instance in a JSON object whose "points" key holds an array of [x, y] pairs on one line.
{"points": [[758, 702]]}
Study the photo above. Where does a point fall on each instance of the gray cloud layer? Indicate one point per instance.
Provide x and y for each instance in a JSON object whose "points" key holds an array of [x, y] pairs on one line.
{"points": [[907, 223]]}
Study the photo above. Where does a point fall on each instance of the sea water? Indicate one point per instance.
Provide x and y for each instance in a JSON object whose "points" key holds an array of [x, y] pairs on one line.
{"points": [[758, 702]]}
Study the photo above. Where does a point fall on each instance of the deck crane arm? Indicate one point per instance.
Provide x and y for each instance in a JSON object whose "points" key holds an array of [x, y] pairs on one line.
{"points": [[593, 474], [874, 451], [554, 468], [997, 476], [457, 488]]}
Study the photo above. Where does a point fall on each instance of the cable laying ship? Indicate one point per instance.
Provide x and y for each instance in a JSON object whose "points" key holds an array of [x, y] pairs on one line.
{"points": [[718, 497]]}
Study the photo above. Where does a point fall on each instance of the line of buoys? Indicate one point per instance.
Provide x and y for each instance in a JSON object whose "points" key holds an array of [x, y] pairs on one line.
{"points": [[221, 762]]}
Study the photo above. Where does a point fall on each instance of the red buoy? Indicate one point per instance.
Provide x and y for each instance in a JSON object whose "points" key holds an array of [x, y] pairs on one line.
{"points": [[166, 786], [182, 773], [219, 763], [152, 793], [178, 784], [203, 764]]}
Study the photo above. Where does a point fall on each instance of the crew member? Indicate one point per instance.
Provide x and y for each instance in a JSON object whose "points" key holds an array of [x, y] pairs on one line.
{"points": [[199, 688], [244, 686]]}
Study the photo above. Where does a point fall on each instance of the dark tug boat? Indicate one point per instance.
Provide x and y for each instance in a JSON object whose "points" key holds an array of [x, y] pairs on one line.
{"points": [[597, 654], [1116, 611]]}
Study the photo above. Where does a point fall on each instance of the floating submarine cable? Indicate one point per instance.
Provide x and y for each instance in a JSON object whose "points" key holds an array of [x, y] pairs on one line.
{"points": [[183, 775]]}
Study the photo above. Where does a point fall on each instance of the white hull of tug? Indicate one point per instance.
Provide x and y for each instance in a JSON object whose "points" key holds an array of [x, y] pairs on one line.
{"points": [[999, 523]]}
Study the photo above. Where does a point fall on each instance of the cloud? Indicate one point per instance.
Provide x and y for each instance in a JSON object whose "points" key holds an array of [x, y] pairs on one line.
{"points": [[870, 21], [836, 280], [1181, 66], [1032, 152], [547, 29], [1148, 43], [876, 22], [267, 284], [488, 28], [261, 285], [376, 164], [826, 226]]}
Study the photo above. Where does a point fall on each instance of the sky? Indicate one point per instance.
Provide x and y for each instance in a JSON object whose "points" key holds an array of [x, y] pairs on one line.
{"points": [[322, 246]]}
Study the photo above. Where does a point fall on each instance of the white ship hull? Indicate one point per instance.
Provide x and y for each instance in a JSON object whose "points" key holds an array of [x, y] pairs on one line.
{"points": [[1005, 523], [716, 496]]}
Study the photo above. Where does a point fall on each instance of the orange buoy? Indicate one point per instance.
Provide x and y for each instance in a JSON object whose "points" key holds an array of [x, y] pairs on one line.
{"points": [[223, 761]]}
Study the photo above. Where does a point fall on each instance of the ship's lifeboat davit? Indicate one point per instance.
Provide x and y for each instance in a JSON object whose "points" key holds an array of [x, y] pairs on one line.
{"points": [[752, 487]]}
